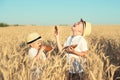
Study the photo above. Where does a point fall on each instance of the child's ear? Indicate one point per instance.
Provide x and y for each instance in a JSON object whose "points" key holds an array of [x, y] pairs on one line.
{"points": [[31, 44]]}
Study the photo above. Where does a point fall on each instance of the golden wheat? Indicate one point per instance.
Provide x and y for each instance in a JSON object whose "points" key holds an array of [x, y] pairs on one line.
{"points": [[102, 60]]}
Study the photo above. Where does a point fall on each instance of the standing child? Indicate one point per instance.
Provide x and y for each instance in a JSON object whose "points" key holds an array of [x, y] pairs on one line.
{"points": [[74, 55]]}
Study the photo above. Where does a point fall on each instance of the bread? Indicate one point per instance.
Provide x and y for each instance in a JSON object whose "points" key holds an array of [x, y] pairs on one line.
{"points": [[56, 30], [48, 48], [73, 46]]}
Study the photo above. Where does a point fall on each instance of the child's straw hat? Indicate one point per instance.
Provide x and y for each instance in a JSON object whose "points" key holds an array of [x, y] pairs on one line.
{"points": [[32, 37], [87, 29]]}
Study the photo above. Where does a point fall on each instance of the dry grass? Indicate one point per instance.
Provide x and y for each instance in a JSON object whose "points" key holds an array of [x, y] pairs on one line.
{"points": [[103, 60]]}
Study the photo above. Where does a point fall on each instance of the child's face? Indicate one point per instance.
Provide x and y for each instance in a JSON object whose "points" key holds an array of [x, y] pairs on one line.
{"points": [[36, 44], [77, 28]]}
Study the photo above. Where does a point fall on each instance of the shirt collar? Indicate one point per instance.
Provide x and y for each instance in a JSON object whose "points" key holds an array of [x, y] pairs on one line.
{"points": [[76, 36]]}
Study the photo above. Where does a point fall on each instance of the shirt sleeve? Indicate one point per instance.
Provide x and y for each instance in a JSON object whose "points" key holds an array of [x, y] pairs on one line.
{"points": [[65, 44]]}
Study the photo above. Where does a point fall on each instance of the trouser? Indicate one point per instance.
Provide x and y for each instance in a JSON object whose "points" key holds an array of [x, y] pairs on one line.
{"points": [[75, 76]]}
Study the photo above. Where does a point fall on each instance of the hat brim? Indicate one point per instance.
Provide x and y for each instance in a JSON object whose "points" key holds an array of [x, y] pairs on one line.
{"points": [[34, 40]]}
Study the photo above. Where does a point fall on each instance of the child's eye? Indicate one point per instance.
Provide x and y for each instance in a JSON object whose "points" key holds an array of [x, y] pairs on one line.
{"points": [[37, 43]]}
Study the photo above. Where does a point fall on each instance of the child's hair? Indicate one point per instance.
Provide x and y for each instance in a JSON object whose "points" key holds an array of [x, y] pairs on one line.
{"points": [[84, 24]]}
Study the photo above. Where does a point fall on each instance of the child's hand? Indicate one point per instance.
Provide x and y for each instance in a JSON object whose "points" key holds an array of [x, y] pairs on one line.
{"points": [[42, 48], [40, 51], [70, 49]]}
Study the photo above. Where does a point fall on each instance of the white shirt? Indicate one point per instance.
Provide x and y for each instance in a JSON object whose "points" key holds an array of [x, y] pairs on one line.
{"points": [[33, 52], [72, 58], [81, 44]]}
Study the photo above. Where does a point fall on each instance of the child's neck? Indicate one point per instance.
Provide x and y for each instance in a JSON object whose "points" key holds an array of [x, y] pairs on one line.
{"points": [[77, 34]]}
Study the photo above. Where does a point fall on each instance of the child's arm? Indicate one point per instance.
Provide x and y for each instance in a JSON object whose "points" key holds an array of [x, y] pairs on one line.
{"points": [[71, 50], [57, 39], [40, 52], [59, 44]]}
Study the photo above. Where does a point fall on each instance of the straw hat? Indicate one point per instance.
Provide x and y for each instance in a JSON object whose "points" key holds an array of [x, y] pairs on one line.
{"points": [[87, 29], [33, 37]]}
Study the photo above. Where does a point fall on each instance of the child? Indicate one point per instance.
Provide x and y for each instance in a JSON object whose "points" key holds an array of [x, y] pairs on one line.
{"points": [[35, 42], [73, 55]]}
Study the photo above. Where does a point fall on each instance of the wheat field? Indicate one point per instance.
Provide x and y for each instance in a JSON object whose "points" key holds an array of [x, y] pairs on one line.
{"points": [[103, 59]]}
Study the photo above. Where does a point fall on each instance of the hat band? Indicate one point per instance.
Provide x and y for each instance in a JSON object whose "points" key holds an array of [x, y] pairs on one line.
{"points": [[34, 40]]}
